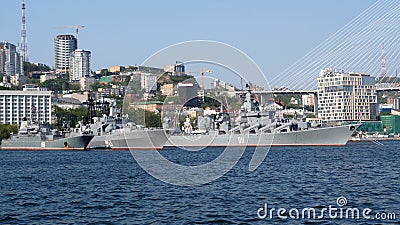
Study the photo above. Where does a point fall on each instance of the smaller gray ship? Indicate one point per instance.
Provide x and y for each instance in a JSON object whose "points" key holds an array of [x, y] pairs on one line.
{"points": [[35, 137], [124, 136], [113, 131]]}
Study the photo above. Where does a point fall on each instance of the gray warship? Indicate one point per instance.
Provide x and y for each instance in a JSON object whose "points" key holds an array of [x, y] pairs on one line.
{"points": [[36, 137], [114, 132], [257, 126], [125, 136]]}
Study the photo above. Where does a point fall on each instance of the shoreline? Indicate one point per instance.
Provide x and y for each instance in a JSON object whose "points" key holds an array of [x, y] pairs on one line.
{"points": [[374, 139]]}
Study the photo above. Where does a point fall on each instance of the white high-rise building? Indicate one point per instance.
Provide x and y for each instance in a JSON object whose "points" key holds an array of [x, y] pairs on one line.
{"points": [[79, 65], [32, 103], [148, 82], [346, 96], [64, 45], [10, 60]]}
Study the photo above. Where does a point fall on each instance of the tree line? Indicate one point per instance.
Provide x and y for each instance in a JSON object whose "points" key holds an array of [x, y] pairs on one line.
{"points": [[7, 129]]}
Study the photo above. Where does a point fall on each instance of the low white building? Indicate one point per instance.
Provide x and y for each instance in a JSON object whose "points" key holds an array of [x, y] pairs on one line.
{"points": [[32, 103], [219, 84], [273, 106], [307, 100], [18, 79], [80, 97], [68, 103], [47, 76]]}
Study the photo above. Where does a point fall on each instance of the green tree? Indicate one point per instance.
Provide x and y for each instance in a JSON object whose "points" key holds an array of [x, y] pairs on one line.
{"points": [[144, 117], [7, 129], [96, 85], [59, 84], [104, 72], [152, 119], [69, 116], [132, 68], [30, 67], [210, 102], [310, 116], [181, 78], [157, 97], [74, 87], [4, 88], [32, 81]]}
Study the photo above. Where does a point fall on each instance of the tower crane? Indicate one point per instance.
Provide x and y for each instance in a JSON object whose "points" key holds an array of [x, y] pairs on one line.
{"points": [[202, 72], [76, 27]]}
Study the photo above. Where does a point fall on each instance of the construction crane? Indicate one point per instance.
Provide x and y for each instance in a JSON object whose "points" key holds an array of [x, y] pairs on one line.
{"points": [[202, 81], [76, 27], [202, 72]]}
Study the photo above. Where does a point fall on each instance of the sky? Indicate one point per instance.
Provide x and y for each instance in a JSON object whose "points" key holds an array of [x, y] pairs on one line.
{"points": [[123, 32]]}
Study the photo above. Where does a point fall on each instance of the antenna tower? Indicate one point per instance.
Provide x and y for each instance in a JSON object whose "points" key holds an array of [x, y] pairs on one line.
{"points": [[23, 45]]}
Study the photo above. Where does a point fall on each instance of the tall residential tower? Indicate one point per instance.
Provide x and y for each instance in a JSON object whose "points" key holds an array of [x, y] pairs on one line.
{"points": [[10, 60], [79, 65], [64, 46]]}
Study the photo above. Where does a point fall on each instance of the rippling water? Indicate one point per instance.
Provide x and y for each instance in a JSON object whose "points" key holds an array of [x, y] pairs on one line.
{"points": [[109, 187]]}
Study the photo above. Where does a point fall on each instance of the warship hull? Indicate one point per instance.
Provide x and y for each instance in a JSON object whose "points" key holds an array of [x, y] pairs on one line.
{"points": [[36, 143], [329, 136], [130, 140]]}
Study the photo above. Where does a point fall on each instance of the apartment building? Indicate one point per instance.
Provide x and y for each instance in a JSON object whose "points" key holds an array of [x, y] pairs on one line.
{"points": [[10, 60], [64, 46], [346, 96], [79, 65], [33, 103]]}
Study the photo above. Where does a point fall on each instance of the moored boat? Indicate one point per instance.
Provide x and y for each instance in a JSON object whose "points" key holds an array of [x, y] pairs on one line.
{"points": [[35, 137]]}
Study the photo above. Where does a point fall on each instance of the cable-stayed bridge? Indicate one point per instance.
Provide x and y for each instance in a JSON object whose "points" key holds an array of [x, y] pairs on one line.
{"points": [[370, 43], [383, 88]]}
